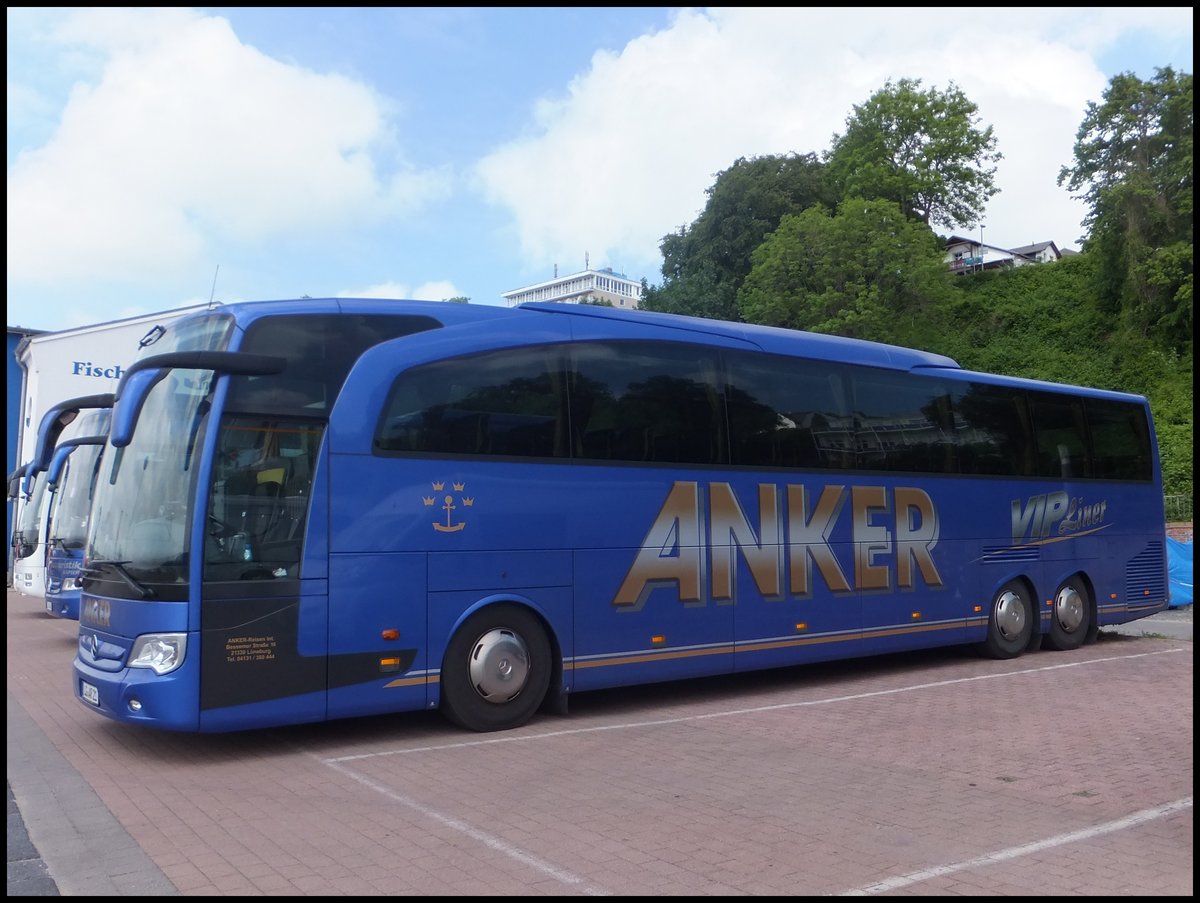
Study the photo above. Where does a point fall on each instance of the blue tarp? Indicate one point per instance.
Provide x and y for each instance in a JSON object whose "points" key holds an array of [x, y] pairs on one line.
{"points": [[1179, 572]]}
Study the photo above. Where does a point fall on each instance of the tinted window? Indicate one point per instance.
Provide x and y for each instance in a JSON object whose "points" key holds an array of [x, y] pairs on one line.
{"points": [[506, 403], [320, 350], [787, 413], [642, 401], [903, 423], [1120, 440], [1058, 425], [664, 403], [993, 430]]}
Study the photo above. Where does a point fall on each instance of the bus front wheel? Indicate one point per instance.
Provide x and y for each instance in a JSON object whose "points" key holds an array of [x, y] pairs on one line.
{"points": [[496, 669], [1071, 618], [1010, 622]]}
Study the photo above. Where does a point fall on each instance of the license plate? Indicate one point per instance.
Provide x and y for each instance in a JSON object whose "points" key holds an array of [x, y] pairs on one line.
{"points": [[90, 694], [50, 606]]}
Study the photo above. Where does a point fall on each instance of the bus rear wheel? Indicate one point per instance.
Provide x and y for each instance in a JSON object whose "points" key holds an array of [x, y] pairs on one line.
{"points": [[1071, 617], [1010, 622], [496, 669]]}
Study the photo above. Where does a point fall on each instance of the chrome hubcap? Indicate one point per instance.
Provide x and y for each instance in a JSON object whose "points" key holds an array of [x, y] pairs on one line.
{"points": [[1010, 615], [1068, 609], [499, 665]]}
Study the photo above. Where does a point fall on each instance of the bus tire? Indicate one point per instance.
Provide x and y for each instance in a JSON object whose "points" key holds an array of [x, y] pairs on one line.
{"points": [[496, 669], [1070, 616], [1010, 622]]}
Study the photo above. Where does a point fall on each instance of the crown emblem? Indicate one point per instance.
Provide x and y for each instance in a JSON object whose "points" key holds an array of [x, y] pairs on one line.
{"points": [[450, 504]]}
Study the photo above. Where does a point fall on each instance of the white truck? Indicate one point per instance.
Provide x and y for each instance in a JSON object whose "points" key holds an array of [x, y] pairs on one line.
{"points": [[56, 366]]}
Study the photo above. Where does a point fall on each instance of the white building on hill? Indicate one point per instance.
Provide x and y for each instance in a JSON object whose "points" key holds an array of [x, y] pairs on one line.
{"points": [[586, 287]]}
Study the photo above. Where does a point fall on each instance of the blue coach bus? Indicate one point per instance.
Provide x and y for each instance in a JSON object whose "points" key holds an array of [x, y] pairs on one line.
{"points": [[72, 472], [501, 507]]}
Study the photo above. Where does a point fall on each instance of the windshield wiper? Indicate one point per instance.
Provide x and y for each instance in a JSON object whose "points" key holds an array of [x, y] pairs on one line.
{"points": [[119, 567]]}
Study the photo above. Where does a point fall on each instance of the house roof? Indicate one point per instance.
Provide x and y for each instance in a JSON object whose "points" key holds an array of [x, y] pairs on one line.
{"points": [[1037, 248]]}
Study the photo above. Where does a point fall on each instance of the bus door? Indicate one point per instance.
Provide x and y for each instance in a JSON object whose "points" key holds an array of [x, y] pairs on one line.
{"points": [[263, 618]]}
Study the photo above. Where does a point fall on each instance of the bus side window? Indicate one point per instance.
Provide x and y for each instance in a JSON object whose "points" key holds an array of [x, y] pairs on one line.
{"points": [[993, 429], [508, 403], [904, 423], [1061, 437], [646, 401], [1120, 440], [786, 413]]}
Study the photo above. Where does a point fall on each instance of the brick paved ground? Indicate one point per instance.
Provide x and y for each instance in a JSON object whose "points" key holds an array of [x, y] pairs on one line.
{"points": [[928, 774]]}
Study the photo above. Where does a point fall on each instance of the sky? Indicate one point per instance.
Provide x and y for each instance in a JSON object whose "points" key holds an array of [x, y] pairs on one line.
{"points": [[163, 157]]}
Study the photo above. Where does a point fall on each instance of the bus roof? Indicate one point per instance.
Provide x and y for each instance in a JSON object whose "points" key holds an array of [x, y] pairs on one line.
{"points": [[245, 312], [773, 339]]}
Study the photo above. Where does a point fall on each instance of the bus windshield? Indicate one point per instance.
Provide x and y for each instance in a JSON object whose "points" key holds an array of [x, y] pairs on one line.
{"points": [[73, 500], [139, 513]]}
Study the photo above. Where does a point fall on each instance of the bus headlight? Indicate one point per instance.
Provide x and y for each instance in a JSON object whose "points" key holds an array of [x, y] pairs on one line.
{"points": [[160, 652], [70, 584]]}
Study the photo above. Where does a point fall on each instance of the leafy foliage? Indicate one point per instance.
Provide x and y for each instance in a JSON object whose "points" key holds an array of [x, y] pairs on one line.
{"points": [[864, 272], [1133, 168], [923, 150], [704, 264]]}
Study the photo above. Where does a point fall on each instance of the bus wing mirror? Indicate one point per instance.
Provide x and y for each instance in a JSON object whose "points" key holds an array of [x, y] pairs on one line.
{"points": [[56, 420], [63, 452], [144, 374], [57, 463], [14, 481], [130, 398]]}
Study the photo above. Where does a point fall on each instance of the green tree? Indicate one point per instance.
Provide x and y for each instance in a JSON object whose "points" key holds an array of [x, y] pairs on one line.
{"points": [[868, 272], [923, 150], [458, 299], [705, 263], [1133, 168]]}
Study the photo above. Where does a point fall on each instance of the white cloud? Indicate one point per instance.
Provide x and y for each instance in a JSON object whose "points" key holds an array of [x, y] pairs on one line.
{"points": [[190, 137], [626, 155], [426, 291]]}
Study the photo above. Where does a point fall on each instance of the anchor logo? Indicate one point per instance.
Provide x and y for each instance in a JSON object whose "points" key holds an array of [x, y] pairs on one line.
{"points": [[449, 506]]}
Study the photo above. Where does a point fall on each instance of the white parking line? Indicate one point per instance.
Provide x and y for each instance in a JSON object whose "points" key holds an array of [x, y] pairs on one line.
{"points": [[575, 882], [682, 719], [1120, 824]]}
